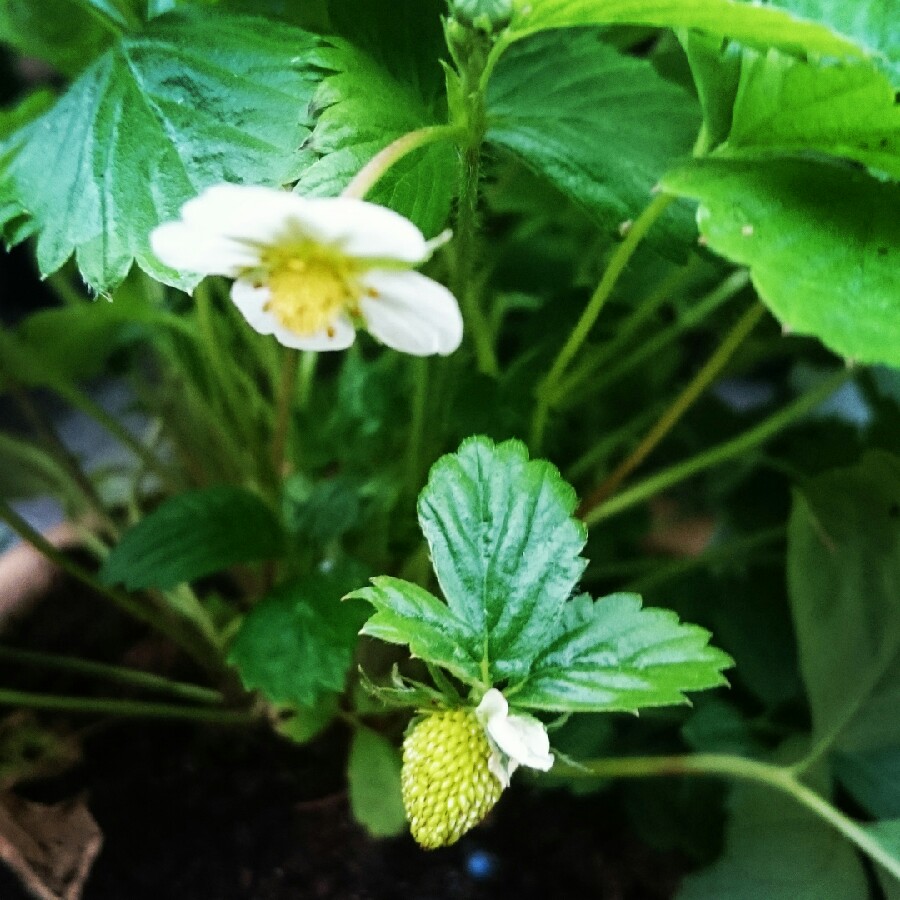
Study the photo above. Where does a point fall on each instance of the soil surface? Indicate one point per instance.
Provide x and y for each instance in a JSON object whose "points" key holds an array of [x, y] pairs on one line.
{"points": [[208, 813]]}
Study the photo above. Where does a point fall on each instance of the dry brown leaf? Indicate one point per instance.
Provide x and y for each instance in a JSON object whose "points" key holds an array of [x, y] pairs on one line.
{"points": [[50, 848]]}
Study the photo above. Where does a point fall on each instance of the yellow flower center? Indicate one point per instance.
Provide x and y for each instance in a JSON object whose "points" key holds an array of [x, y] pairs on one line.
{"points": [[308, 290]]}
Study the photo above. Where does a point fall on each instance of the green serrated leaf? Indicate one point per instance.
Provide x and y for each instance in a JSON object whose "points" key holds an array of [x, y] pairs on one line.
{"points": [[844, 581], [601, 126], [505, 548], [193, 100], [373, 776], [871, 25], [385, 81], [408, 614], [612, 655], [750, 23], [786, 105], [822, 242], [192, 535], [296, 644], [777, 850]]}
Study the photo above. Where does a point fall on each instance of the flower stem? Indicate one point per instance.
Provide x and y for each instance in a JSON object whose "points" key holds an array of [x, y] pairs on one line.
{"points": [[617, 263], [418, 419], [465, 243], [584, 379], [126, 708], [290, 364], [369, 175], [116, 674], [667, 421], [723, 765], [723, 452]]}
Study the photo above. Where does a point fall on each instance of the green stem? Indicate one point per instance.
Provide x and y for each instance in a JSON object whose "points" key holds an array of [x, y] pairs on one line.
{"points": [[466, 289], [61, 453], [610, 441], [738, 446], [369, 175], [125, 708], [682, 403], [617, 263], [722, 765], [116, 674], [287, 387], [567, 390], [418, 422], [308, 361], [122, 600], [596, 359]]}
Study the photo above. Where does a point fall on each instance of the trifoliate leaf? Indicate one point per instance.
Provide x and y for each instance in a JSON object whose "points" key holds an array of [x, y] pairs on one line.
{"points": [[822, 242], [193, 100], [613, 655], [844, 581], [296, 644], [786, 105], [505, 548], [191, 535], [408, 614], [750, 23], [383, 83], [601, 126]]}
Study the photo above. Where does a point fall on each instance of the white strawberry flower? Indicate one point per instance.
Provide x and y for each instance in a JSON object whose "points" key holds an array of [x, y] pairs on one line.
{"points": [[516, 739], [309, 271]]}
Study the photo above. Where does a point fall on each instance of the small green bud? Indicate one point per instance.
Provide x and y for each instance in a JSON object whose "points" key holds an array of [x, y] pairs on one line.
{"points": [[489, 16], [447, 785]]}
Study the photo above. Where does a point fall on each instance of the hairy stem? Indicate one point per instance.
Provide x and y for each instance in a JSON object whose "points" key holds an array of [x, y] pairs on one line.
{"points": [[369, 175], [114, 674], [290, 365], [682, 403], [617, 263], [726, 766], [126, 708], [738, 446]]}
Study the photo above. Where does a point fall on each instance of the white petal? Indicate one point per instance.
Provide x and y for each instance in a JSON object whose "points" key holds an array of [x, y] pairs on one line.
{"points": [[366, 230], [339, 336], [411, 313], [251, 301], [523, 739], [501, 770], [189, 249], [256, 215]]}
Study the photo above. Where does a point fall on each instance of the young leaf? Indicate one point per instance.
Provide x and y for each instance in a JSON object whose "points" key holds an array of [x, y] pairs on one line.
{"points": [[716, 67], [822, 242], [887, 833], [373, 776], [747, 22], [297, 643], [191, 535], [786, 105], [192, 100], [844, 581], [601, 126], [408, 614], [777, 850], [505, 548], [384, 82], [611, 655]]}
